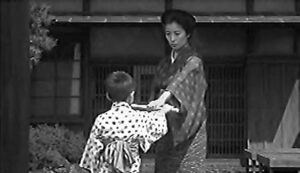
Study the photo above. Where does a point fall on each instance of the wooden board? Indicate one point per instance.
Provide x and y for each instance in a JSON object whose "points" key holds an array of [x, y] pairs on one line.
{"points": [[279, 160]]}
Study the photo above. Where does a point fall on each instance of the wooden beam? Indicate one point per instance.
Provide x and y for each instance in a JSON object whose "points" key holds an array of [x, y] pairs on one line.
{"points": [[199, 19], [14, 86], [249, 7]]}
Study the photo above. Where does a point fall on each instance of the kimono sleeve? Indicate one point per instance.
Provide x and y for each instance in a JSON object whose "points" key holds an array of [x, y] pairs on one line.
{"points": [[94, 146], [189, 87], [155, 126], [192, 63]]}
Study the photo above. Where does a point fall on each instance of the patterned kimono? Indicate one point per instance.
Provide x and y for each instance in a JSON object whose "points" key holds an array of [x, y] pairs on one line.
{"points": [[115, 138], [183, 149]]}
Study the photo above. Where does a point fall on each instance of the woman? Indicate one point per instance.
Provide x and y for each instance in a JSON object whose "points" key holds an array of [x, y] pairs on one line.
{"points": [[180, 81]]}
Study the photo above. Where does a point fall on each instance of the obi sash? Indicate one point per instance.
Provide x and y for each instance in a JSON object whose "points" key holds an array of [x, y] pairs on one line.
{"points": [[120, 155]]}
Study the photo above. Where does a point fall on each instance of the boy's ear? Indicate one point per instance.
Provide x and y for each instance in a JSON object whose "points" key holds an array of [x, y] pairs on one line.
{"points": [[130, 98], [107, 96], [132, 93]]}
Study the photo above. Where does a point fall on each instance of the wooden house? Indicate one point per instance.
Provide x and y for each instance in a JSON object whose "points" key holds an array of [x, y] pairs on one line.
{"points": [[250, 49]]}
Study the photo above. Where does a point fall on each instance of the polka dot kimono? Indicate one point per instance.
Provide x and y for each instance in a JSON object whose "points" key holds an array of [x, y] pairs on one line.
{"points": [[117, 134]]}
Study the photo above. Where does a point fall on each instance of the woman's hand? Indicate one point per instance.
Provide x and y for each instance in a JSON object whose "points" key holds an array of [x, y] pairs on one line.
{"points": [[158, 103]]}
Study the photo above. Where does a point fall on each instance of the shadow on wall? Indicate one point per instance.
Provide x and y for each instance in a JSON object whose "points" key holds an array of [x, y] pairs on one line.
{"points": [[273, 105], [297, 141], [289, 127]]}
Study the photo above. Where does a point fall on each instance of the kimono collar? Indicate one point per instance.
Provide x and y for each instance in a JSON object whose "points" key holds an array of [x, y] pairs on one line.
{"points": [[120, 104], [185, 48]]}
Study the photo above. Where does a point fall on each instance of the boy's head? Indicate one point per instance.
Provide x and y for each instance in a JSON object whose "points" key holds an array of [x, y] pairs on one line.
{"points": [[119, 85]]}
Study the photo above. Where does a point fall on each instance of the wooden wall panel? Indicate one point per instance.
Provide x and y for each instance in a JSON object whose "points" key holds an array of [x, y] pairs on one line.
{"points": [[273, 40], [269, 94], [211, 6], [127, 6], [127, 43], [220, 41], [62, 6], [274, 6], [121, 7]]}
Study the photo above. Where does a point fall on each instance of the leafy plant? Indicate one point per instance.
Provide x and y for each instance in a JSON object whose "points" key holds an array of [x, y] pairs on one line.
{"points": [[53, 147], [40, 20]]}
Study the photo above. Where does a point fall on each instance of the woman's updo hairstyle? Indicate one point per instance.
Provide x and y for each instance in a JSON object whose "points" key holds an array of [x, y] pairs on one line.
{"points": [[183, 18]]}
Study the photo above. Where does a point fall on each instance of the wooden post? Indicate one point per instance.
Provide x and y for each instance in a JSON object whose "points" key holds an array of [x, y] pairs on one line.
{"points": [[86, 7], [14, 86], [249, 7], [168, 4]]}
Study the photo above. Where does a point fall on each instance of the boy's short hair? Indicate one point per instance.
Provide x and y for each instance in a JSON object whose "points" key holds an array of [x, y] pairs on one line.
{"points": [[119, 85]]}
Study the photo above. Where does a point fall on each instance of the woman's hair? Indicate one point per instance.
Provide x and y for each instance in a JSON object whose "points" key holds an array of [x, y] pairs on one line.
{"points": [[183, 18], [119, 85]]}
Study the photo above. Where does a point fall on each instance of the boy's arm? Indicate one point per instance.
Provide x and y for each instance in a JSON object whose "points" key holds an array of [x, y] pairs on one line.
{"points": [[94, 146], [165, 108], [155, 126]]}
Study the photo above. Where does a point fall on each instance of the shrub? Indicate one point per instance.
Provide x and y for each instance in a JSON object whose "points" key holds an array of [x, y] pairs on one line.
{"points": [[40, 41], [54, 147]]}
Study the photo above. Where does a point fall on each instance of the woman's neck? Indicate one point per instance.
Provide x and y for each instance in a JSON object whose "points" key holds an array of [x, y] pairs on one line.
{"points": [[174, 53], [173, 56]]}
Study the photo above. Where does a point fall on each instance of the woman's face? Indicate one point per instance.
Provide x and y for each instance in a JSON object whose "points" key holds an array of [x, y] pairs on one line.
{"points": [[176, 35]]}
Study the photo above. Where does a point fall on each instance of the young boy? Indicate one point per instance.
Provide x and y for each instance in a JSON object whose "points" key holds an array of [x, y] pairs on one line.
{"points": [[117, 134]]}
